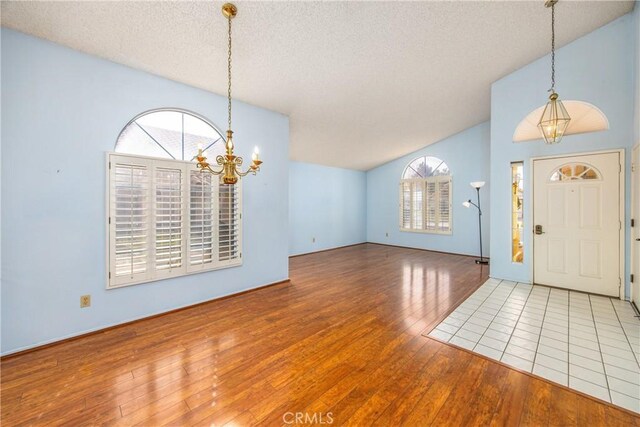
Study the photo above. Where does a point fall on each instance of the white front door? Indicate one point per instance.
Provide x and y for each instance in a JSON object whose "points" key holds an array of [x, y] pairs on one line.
{"points": [[576, 216], [635, 231]]}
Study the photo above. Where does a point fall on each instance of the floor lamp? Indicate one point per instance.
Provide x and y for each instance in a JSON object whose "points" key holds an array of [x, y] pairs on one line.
{"points": [[478, 185]]}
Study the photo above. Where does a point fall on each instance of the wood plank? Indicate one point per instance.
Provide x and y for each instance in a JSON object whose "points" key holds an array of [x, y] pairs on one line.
{"points": [[457, 408], [536, 408], [563, 410], [512, 398]]}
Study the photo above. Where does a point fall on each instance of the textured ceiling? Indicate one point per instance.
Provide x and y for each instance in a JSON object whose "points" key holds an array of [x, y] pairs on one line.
{"points": [[362, 82]]}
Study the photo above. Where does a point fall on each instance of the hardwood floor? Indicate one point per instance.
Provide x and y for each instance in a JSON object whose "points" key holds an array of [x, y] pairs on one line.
{"points": [[341, 343]]}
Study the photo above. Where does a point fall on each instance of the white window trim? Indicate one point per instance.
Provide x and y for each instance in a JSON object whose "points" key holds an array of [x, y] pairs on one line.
{"points": [[185, 269], [424, 181]]}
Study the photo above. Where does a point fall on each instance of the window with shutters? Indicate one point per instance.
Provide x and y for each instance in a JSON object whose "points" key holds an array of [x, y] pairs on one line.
{"points": [[425, 196], [166, 218]]}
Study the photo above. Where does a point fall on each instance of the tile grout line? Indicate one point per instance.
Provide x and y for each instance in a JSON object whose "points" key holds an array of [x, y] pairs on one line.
{"points": [[542, 327], [494, 316], [625, 333], [474, 311], [535, 356], [569, 353], [604, 369], [632, 352], [586, 357], [483, 301], [516, 325]]}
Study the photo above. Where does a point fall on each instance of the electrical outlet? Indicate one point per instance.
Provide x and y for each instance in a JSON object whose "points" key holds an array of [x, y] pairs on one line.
{"points": [[313, 239], [85, 301]]}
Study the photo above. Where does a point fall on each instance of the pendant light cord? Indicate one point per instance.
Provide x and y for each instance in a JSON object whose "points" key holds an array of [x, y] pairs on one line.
{"points": [[229, 74], [553, 48]]}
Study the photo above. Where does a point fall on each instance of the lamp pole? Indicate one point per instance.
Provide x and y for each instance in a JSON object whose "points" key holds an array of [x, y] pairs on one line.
{"points": [[477, 185], [481, 260]]}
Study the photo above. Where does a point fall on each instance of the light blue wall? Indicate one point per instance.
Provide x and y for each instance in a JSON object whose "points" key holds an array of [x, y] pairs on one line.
{"points": [[325, 203], [61, 111], [467, 154], [596, 68]]}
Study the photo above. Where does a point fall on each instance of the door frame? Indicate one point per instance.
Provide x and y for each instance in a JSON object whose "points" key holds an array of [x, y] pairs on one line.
{"points": [[621, 210], [635, 209]]}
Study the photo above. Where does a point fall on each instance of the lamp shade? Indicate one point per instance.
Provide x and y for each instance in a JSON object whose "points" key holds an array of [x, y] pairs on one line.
{"points": [[466, 204], [477, 184]]}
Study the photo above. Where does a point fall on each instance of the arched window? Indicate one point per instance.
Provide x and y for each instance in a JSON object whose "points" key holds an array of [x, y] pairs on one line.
{"points": [[573, 172], [425, 196], [425, 167], [167, 218], [170, 134]]}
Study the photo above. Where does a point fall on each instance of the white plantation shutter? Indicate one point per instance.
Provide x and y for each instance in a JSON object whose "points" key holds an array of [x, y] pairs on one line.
{"points": [[405, 205], [431, 213], [202, 215], [169, 220], [166, 218], [425, 204], [444, 205], [417, 205], [130, 186], [229, 221]]}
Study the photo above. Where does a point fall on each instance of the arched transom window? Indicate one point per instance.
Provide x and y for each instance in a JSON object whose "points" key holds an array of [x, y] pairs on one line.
{"points": [[170, 134], [573, 172], [425, 167], [425, 196]]}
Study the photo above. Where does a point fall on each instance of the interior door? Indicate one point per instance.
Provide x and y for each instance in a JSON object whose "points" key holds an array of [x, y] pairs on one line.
{"points": [[576, 214], [635, 231]]}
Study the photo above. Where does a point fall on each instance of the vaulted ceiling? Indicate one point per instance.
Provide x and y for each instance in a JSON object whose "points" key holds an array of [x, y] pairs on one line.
{"points": [[362, 82]]}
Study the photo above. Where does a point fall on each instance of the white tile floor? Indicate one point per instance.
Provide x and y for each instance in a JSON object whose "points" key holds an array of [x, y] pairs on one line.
{"points": [[586, 342]]}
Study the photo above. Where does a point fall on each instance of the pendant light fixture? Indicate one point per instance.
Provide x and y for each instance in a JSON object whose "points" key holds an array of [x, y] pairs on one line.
{"points": [[555, 119], [230, 163]]}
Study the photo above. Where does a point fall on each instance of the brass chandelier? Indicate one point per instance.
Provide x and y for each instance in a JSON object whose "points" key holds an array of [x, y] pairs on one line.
{"points": [[230, 163], [555, 119]]}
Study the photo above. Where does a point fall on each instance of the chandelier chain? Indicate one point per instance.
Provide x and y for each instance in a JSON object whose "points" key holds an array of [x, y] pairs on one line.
{"points": [[229, 165], [229, 74], [553, 48]]}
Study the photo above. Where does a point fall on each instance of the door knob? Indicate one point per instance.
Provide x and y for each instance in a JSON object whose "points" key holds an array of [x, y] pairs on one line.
{"points": [[538, 229]]}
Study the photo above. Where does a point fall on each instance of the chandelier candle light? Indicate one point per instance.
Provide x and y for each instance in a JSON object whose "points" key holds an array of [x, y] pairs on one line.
{"points": [[230, 163], [555, 119]]}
